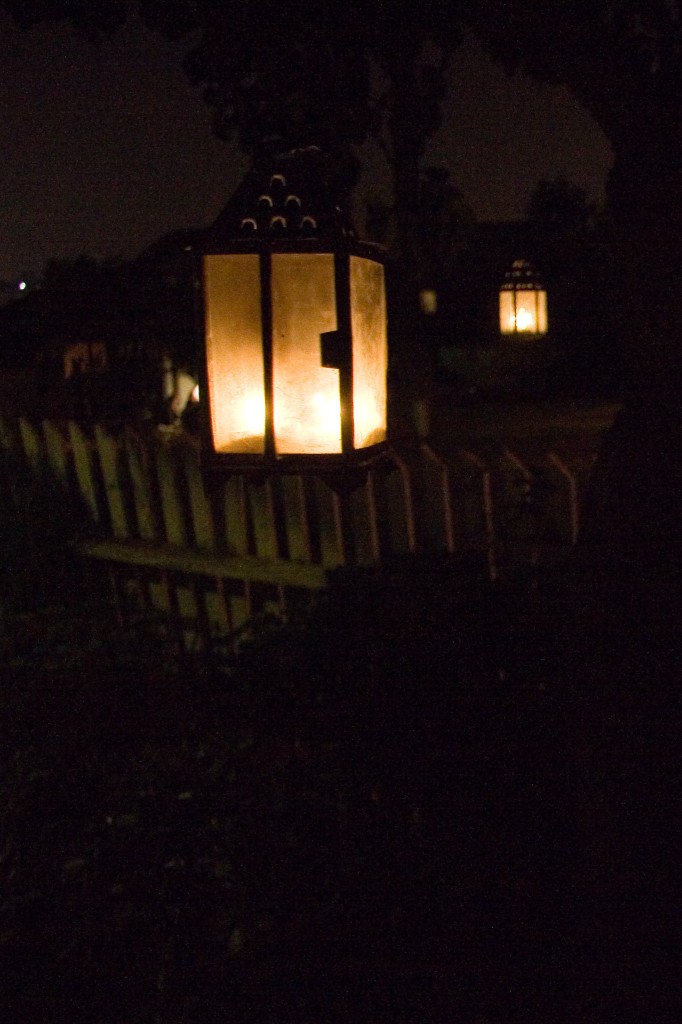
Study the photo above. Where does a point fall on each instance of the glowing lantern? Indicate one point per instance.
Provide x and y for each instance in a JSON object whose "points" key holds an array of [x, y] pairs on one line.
{"points": [[295, 325], [523, 302], [428, 301]]}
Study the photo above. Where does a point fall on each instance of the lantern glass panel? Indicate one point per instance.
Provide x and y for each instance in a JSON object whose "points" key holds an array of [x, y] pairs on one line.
{"points": [[306, 395], [525, 311], [370, 355], [234, 352], [507, 313], [542, 311]]}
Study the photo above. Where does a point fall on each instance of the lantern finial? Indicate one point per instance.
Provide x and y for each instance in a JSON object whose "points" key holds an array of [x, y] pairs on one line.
{"points": [[289, 196]]}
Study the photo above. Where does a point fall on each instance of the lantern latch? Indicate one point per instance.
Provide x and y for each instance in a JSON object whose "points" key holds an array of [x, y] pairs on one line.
{"points": [[331, 346]]}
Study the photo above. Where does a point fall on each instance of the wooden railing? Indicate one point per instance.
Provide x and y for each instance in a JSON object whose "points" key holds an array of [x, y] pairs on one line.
{"points": [[209, 554]]}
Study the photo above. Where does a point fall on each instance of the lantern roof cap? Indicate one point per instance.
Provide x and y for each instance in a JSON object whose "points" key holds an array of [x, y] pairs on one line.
{"points": [[522, 274], [285, 198]]}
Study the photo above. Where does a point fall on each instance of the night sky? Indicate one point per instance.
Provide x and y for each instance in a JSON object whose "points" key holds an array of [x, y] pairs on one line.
{"points": [[104, 150]]}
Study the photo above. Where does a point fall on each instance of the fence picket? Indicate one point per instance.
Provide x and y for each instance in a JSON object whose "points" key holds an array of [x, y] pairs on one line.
{"points": [[188, 615], [296, 518], [436, 478], [397, 491], [172, 512], [217, 617], [476, 509], [261, 507], [236, 533], [137, 455], [81, 450], [32, 445], [569, 480], [109, 452], [180, 600], [519, 541], [208, 561], [359, 526], [202, 517], [328, 524], [209, 592], [237, 595], [55, 449]]}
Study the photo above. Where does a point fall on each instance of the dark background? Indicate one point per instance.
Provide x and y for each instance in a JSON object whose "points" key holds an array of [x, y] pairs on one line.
{"points": [[106, 148]]}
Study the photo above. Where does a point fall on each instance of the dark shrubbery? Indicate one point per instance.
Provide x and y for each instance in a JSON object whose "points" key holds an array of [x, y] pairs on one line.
{"points": [[355, 820], [423, 798]]}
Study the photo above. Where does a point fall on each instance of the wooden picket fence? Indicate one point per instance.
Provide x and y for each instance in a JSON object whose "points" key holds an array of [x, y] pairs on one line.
{"points": [[209, 554]]}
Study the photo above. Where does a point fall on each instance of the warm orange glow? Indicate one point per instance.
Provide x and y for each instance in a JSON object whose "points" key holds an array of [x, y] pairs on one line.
{"points": [[541, 300], [234, 352], [251, 413], [370, 352], [306, 394], [524, 319], [523, 311]]}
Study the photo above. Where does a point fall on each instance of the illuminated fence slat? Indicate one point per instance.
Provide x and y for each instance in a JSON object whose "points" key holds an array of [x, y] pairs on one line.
{"points": [[109, 455], [208, 556], [31, 442], [326, 508], [82, 456], [234, 534], [139, 469], [56, 452]]}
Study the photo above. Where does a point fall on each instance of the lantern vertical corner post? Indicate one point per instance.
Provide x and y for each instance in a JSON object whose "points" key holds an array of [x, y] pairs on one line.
{"points": [[344, 354], [523, 303], [234, 353], [200, 322], [266, 329]]}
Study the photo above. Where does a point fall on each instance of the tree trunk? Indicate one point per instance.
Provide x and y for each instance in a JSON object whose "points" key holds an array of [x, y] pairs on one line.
{"points": [[633, 514], [409, 369]]}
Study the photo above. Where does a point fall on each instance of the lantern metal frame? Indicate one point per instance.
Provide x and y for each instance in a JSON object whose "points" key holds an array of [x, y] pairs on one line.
{"points": [[336, 352], [274, 215], [522, 279]]}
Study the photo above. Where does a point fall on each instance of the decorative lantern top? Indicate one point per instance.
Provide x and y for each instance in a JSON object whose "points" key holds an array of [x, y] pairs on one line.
{"points": [[292, 198], [522, 275]]}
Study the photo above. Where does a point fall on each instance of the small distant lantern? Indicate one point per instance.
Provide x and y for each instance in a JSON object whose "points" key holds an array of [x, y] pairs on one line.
{"points": [[428, 301], [523, 302], [295, 326]]}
